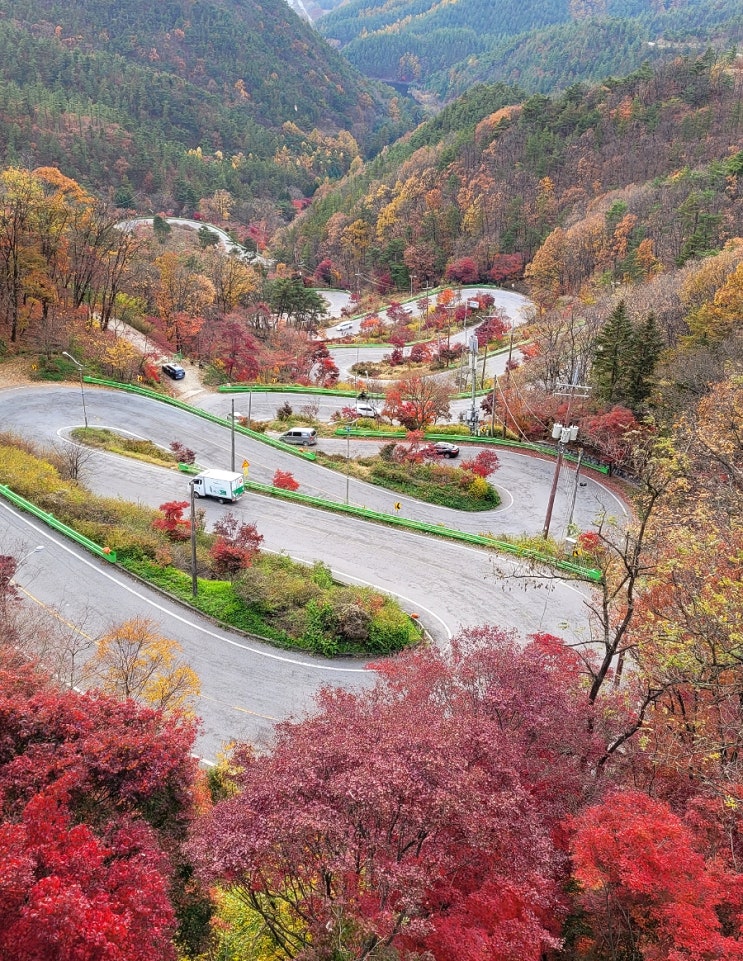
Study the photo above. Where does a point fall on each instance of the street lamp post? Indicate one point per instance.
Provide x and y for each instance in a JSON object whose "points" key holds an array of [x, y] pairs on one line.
{"points": [[81, 368], [39, 547], [348, 457], [194, 578], [232, 437], [508, 376], [575, 489], [563, 436]]}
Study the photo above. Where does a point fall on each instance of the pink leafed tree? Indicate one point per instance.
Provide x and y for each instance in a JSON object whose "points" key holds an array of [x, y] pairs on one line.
{"points": [[422, 814]]}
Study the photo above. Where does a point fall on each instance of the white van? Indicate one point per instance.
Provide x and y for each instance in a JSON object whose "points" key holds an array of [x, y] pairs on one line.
{"points": [[304, 436]]}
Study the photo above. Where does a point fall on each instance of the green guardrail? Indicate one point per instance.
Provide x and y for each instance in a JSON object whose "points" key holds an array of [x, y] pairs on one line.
{"points": [[287, 389], [394, 520], [310, 455], [204, 414], [51, 521]]}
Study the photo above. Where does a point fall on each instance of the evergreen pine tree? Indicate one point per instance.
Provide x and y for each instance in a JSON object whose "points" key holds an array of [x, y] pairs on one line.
{"points": [[612, 359], [647, 346]]}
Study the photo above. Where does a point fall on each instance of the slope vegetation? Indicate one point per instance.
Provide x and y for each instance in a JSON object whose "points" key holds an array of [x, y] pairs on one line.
{"points": [[169, 102]]}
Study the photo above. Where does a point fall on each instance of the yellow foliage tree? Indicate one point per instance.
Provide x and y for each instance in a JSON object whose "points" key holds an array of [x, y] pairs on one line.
{"points": [[135, 660], [714, 322]]}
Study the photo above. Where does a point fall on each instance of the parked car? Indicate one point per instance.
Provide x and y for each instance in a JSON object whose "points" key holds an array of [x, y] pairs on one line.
{"points": [[174, 370], [441, 449], [304, 436]]}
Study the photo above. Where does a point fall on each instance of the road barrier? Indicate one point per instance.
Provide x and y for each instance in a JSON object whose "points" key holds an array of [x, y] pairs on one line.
{"points": [[395, 520], [51, 521], [204, 414]]}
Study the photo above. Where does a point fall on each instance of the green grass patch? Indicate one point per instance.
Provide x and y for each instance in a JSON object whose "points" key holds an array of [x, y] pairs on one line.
{"points": [[433, 483], [437, 484], [105, 439], [294, 606]]}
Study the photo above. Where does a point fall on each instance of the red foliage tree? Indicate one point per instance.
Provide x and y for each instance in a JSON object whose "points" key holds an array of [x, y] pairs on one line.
{"points": [[285, 480], [646, 889], [463, 271], [174, 524], [234, 346], [609, 432], [421, 814], [506, 267], [420, 353], [184, 454], [68, 894], [492, 328], [324, 271], [416, 401], [485, 464], [324, 368], [236, 545], [91, 789]]}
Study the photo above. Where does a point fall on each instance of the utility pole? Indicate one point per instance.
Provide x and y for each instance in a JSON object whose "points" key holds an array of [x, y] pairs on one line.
{"points": [[563, 436], [508, 377], [474, 417]]}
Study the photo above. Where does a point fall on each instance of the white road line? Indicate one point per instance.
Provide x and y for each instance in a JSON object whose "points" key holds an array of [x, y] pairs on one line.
{"points": [[226, 640]]}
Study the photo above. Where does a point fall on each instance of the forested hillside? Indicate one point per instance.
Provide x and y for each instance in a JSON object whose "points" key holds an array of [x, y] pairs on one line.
{"points": [[655, 157], [444, 48], [157, 106]]}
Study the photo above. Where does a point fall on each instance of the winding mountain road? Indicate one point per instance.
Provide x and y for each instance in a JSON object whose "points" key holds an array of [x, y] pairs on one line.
{"points": [[248, 685]]}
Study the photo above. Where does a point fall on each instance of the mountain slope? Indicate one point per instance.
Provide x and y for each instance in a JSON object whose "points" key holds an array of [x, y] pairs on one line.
{"points": [[445, 47], [639, 174], [118, 93]]}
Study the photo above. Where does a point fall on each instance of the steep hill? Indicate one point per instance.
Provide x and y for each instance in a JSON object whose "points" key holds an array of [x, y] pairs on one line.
{"points": [[444, 48], [165, 103], [639, 174]]}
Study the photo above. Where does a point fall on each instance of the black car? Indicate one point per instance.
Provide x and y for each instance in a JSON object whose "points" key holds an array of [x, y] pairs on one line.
{"points": [[174, 370], [441, 449]]}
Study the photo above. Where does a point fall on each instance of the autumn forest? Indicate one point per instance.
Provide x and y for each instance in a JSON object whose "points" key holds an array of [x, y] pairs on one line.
{"points": [[508, 796]]}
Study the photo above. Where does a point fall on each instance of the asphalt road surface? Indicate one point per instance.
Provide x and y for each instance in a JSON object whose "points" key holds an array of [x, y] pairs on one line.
{"points": [[247, 686]]}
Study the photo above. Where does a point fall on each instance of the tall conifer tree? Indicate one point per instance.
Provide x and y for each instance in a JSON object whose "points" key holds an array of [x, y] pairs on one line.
{"points": [[612, 357]]}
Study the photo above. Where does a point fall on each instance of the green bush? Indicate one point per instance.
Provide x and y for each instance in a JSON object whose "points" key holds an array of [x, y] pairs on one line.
{"points": [[320, 634], [391, 630], [322, 575], [132, 545], [28, 475], [459, 430], [436, 484], [479, 488]]}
